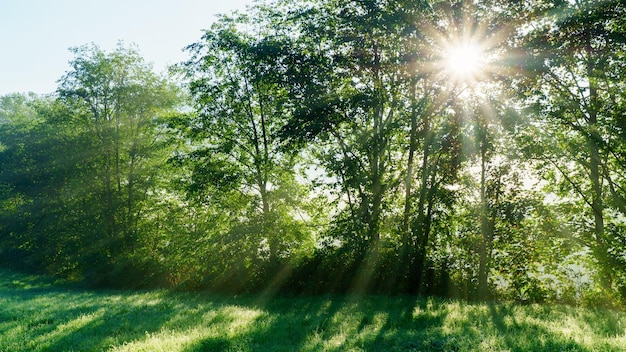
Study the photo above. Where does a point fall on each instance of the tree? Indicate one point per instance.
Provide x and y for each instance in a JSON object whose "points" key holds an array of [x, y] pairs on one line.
{"points": [[576, 85], [343, 76], [42, 193], [116, 99], [236, 153]]}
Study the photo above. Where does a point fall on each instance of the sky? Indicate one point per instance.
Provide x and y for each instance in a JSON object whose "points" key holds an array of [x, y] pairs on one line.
{"points": [[35, 35]]}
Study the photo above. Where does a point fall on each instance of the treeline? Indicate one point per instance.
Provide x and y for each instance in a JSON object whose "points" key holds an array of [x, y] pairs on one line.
{"points": [[329, 146]]}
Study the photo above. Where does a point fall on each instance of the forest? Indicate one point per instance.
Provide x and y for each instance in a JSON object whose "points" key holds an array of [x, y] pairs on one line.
{"points": [[467, 149]]}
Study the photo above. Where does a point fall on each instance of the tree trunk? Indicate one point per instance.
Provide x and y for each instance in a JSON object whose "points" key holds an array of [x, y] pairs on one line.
{"points": [[483, 265], [408, 182], [267, 227], [419, 230], [594, 140], [129, 226]]}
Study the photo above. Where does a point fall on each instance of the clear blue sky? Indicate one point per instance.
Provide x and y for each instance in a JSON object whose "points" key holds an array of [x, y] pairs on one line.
{"points": [[35, 34]]}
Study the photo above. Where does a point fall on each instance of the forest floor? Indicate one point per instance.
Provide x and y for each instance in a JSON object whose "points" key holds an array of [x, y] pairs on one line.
{"points": [[40, 314]]}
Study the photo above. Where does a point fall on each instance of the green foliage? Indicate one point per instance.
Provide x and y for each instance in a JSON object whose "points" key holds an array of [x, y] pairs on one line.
{"points": [[78, 168], [576, 93], [324, 146]]}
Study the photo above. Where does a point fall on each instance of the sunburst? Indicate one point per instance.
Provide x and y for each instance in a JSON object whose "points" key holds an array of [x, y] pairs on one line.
{"points": [[464, 61], [465, 48]]}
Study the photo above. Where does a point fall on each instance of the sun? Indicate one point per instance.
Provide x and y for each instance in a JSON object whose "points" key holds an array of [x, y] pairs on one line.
{"points": [[466, 51], [464, 61]]}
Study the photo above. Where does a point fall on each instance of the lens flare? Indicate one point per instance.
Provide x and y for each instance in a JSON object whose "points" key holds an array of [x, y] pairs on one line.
{"points": [[464, 61]]}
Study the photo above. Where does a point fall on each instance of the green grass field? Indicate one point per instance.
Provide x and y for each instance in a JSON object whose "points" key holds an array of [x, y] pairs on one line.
{"points": [[38, 314]]}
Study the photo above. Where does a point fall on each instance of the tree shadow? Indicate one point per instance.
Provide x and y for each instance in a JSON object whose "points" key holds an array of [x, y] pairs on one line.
{"points": [[604, 322], [84, 321], [530, 334], [338, 323], [410, 324], [286, 324], [37, 313], [46, 317]]}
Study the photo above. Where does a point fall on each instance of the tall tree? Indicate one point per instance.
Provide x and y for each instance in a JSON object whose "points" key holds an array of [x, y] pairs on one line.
{"points": [[347, 72], [370, 104], [117, 98], [239, 108], [577, 79], [42, 192]]}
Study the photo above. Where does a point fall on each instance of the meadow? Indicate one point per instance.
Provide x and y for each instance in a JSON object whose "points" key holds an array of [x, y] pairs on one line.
{"points": [[42, 314]]}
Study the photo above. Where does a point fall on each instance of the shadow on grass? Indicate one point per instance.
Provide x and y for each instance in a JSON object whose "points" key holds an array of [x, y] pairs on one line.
{"points": [[40, 315], [285, 325], [338, 323], [528, 331], [35, 320]]}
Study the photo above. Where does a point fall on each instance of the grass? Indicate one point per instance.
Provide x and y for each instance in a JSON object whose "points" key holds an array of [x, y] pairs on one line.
{"points": [[39, 314]]}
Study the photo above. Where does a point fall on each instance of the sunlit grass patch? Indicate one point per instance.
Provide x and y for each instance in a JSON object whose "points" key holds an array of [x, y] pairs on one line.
{"points": [[40, 315]]}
